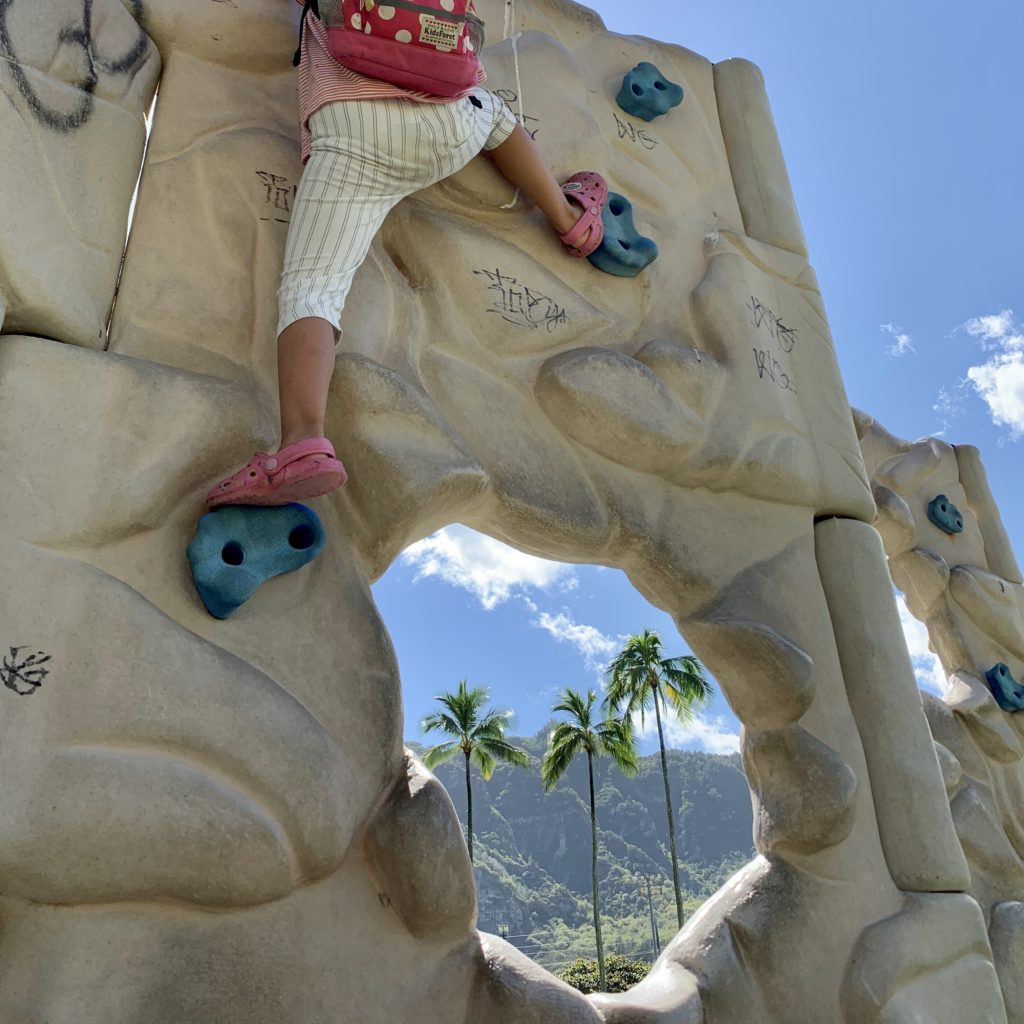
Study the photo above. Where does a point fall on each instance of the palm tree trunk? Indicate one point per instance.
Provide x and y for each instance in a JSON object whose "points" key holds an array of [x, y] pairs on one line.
{"points": [[469, 812], [668, 808], [601, 984]]}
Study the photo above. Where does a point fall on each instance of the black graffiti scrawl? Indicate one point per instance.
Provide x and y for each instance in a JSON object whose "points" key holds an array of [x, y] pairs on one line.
{"points": [[23, 673], [96, 64]]}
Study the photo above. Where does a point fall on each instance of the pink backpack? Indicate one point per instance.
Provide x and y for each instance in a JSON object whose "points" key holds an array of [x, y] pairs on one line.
{"points": [[429, 46]]}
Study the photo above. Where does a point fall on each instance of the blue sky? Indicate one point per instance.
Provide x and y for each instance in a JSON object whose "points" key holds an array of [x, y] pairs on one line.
{"points": [[901, 128]]}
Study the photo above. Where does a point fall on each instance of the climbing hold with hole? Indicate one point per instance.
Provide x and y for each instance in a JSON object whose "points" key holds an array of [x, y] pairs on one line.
{"points": [[646, 93], [945, 515], [1009, 694], [624, 252], [239, 547]]}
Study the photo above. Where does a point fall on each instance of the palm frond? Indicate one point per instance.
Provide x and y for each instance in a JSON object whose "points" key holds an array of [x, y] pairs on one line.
{"points": [[581, 709], [616, 740], [505, 752], [440, 753], [567, 740], [494, 723], [628, 679], [685, 685], [440, 722], [464, 704], [638, 675], [483, 760]]}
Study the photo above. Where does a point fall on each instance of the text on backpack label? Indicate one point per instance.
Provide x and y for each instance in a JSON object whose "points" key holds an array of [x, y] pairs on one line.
{"points": [[435, 32]]}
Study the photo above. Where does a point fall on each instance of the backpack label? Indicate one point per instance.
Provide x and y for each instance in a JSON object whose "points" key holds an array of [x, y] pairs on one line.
{"points": [[436, 32]]}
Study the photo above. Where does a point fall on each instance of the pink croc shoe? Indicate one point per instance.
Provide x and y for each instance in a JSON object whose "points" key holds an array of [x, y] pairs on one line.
{"points": [[590, 190], [303, 470]]}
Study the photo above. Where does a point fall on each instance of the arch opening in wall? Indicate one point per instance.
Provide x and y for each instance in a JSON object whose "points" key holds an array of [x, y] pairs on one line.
{"points": [[462, 605]]}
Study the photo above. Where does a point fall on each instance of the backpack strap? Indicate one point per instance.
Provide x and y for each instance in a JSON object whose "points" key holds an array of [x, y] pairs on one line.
{"points": [[309, 5]]}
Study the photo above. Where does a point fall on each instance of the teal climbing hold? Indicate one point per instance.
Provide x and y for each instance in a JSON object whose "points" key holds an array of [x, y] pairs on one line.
{"points": [[647, 93], [945, 515], [623, 251], [1009, 694], [239, 547]]}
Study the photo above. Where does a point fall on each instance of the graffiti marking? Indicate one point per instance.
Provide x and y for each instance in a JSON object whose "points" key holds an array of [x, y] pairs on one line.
{"points": [[520, 305], [278, 196], [638, 136], [762, 316], [81, 37], [23, 674], [768, 366], [510, 97]]}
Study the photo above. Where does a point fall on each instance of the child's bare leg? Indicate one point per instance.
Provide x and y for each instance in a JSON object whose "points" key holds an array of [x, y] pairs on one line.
{"points": [[305, 362], [519, 160]]}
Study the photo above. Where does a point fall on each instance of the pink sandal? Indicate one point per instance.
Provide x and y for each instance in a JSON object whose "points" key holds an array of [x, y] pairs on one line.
{"points": [[590, 190], [303, 470]]}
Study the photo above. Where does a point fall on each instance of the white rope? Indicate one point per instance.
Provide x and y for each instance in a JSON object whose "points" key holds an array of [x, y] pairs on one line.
{"points": [[510, 21]]}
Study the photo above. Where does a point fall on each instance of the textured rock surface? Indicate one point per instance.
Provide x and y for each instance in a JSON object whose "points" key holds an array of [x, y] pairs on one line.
{"points": [[966, 588], [930, 962], [75, 80], [1007, 934], [211, 820]]}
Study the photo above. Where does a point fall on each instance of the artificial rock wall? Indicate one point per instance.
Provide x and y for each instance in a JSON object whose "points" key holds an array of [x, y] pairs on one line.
{"points": [[209, 820]]}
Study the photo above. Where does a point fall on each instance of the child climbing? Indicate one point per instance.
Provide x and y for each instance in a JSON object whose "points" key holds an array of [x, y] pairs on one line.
{"points": [[367, 144]]}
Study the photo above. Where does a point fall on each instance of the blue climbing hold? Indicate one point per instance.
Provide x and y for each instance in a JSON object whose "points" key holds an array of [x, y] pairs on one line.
{"points": [[238, 547], [945, 515], [1009, 694], [647, 93], [622, 252]]}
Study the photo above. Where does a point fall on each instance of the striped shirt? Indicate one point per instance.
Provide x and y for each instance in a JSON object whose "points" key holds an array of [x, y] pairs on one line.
{"points": [[323, 80]]}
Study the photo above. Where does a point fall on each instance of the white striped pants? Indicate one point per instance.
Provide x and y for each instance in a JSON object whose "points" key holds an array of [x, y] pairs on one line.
{"points": [[368, 155]]}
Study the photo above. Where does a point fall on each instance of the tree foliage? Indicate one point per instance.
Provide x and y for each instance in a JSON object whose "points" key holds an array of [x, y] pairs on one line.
{"points": [[584, 732], [478, 734], [639, 678], [621, 973]]}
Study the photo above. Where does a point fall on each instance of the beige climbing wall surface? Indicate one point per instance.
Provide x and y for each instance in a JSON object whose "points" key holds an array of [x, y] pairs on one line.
{"points": [[967, 589], [206, 820]]}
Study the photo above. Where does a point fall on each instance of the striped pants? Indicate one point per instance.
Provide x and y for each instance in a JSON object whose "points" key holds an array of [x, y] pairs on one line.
{"points": [[368, 155]]}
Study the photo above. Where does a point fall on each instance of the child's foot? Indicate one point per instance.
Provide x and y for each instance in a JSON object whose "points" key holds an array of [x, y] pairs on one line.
{"points": [[297, 472], [590, 191]]}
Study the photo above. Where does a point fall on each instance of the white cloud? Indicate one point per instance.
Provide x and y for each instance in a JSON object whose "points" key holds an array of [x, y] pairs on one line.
{"points": [[595, 647], [491, 571], [927, 667], [902, 343], [999, 381], [997, 330], [712, 735]]}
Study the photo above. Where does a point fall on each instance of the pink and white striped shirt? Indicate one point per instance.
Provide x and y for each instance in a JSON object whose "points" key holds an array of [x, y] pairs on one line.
{"points": [[323, 80]]}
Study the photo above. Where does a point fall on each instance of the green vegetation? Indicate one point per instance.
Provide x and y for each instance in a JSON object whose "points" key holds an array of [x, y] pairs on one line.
{"points": [[583, 733], [639, 677], [478, 734], [622, 974], [530, 866], [532, 870]]}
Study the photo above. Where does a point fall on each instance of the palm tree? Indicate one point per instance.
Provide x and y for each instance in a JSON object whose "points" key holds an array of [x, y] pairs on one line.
{"points": [[582, 733], [638, 676], [478, 734]]}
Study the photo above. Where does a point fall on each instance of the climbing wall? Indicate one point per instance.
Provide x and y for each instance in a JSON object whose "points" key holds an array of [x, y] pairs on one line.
{"points": [[950, 557], [214, 819]]}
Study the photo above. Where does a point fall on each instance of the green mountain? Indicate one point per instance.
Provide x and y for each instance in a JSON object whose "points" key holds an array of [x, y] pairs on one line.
{"points": [[533, 848]]}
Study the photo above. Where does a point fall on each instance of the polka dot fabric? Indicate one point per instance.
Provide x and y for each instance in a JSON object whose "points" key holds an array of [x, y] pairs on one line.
{"points": [[427, 45]]}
